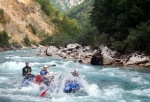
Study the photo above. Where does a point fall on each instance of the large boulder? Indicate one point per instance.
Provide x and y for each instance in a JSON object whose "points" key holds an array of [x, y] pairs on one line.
{"points": [[43, 51], [1, 50], [97, 58], [107, 60], [74, 46], [51, 50], [147, 64], [33, 46], [85, 60], [87, 48], [137, 59], [107, 55], [103, 57], [107, 51]]}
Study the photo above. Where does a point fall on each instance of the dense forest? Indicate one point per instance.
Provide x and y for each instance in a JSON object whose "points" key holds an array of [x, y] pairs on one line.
{"points": [[88, 33], [125, 23]]}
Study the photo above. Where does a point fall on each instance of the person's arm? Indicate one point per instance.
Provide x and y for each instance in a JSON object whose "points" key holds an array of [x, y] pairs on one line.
{"points": [[47, 72], [30, 69]]}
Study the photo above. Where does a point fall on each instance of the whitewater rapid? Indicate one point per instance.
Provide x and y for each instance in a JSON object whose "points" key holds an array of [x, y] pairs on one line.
{"points": [[101, 83]]}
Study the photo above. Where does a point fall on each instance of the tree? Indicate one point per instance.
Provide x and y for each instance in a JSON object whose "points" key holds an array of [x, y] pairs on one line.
{"points": [[4, 39], [65, 26], [116, 17], [139, 38]]}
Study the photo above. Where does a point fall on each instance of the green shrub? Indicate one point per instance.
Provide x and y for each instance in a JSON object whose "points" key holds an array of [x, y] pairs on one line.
{"points": [[47, 7], [4, 39], [118, 46], [27, 41], [2, 19], [139, 38], [33, 28], [88, 36], [61, 39], [46, 41]]}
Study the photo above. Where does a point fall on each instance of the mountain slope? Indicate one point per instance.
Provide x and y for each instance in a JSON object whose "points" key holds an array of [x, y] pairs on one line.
{"points": [[19, 17], [81, 12], [65, 5]]}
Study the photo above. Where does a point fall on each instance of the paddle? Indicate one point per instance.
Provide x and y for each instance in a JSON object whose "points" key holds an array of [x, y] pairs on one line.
{"points": [[43, 93], [53, 65]]}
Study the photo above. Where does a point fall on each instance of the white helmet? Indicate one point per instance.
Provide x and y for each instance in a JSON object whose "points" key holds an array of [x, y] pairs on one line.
{"points": [[76, 69], [45, 66]]}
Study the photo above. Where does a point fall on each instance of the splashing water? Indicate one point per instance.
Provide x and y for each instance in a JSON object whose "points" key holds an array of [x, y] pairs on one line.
{"points": [[109, 84]]}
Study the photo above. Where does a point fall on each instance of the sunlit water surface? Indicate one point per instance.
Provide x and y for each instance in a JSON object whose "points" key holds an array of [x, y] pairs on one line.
{"points": [[101, 84]]}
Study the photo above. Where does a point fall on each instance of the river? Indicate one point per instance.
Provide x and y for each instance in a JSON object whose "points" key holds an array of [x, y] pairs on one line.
{"points": [[102, 83]]}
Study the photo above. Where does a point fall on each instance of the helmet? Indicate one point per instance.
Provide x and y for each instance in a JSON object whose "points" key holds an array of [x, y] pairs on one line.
{"points": [[76, 69], [45, 66]]}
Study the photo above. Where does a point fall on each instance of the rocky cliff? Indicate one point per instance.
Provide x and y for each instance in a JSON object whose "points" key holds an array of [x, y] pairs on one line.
{"points": [[19, 17]]}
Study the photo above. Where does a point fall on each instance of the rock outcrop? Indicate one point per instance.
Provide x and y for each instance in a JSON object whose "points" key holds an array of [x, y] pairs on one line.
{"points": [[101, 56], [17, 17], [137, 59]]}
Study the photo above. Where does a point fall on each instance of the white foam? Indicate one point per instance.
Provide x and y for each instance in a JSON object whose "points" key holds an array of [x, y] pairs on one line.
{"points": [[12, 57], [11, 65], [92, 89], [112, 92], [139, 80], [3, 79], [144, 92]]}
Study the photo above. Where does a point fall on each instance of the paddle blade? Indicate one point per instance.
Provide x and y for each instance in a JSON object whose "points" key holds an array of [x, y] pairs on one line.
{"points": [[53, 65], [43, 93]]}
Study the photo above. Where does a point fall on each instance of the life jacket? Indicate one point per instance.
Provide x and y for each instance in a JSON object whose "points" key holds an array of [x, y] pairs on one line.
{"points": [[27, 69], [39, 79], [43, 72]]}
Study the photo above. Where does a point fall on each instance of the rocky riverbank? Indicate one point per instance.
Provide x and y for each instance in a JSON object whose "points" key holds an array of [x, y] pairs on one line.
{"points": [[100, 56], [85, 54]]}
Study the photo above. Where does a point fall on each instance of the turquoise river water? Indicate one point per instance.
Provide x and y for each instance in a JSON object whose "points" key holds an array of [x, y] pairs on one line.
{"points": [[101, 83]]}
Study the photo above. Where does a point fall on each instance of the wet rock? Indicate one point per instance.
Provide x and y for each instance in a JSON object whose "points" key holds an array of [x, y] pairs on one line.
{"points": [[147, 64], [43, 51], [33, 46], [100, 56], [107, 60], [97, 58], [137, 59], [51, 50], [74, 46]]}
